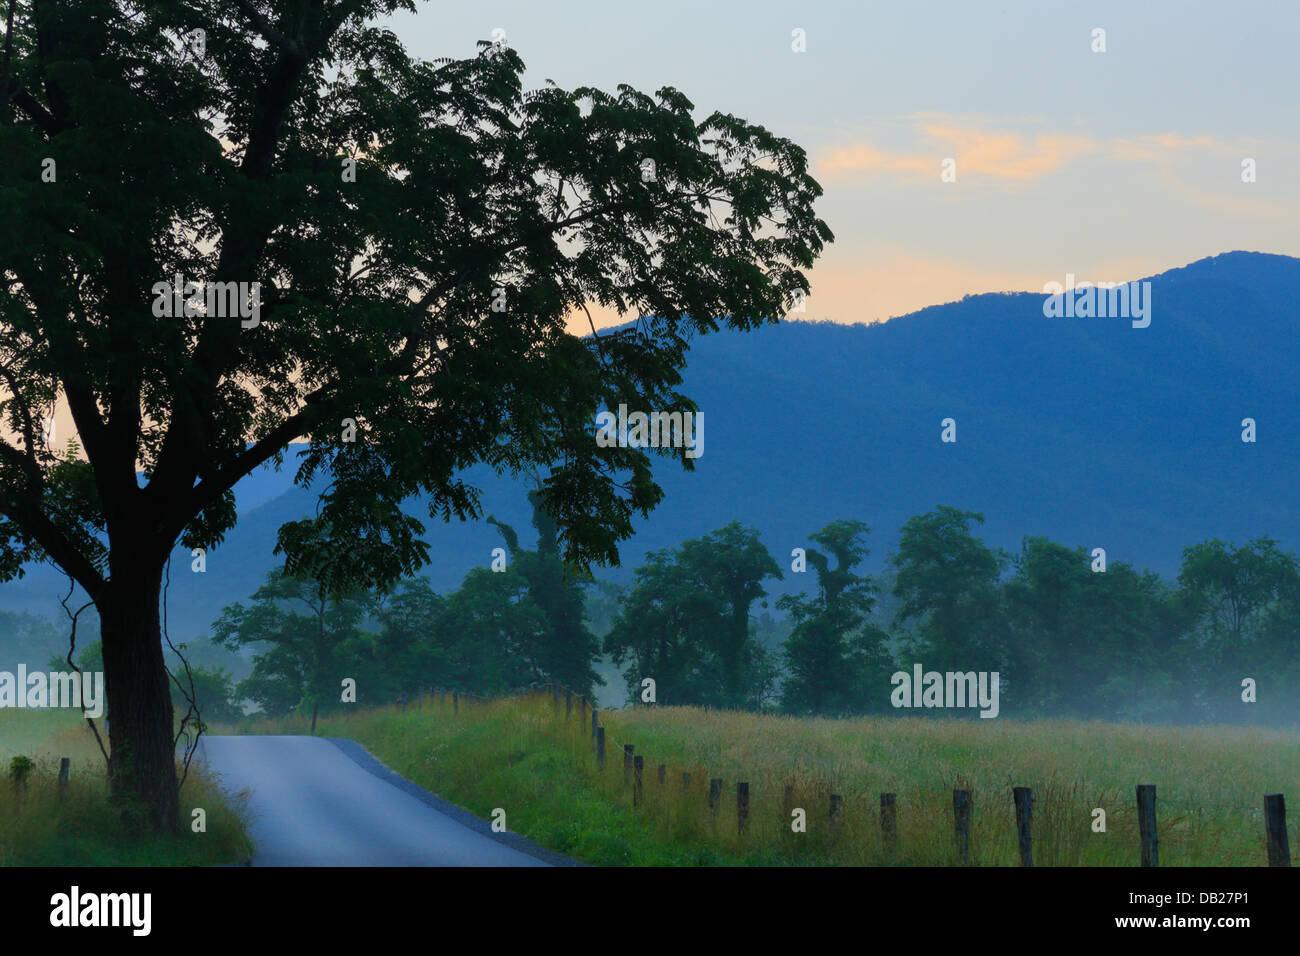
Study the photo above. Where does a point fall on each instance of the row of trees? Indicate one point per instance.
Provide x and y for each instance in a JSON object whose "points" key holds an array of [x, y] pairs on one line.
{"points": [[1068, 634], [502, 629], [1074, 636]]}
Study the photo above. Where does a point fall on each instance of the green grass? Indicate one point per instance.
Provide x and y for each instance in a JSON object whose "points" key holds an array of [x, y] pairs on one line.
{"points": [[36, 829], [518, 756]]}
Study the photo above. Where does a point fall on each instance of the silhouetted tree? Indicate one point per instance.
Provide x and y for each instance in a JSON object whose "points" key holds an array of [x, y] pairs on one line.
{"points": [[686, 623], [564, 649], [302, 658], [1238, 599], [386, 244], [947, 581], [835, 661]]}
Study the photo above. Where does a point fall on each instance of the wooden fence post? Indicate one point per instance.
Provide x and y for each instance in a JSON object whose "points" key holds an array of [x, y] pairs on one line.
{"points": [[961, 812], [889, 819], [742, 805], [600, 748], [627, 764], [65, 766], [715, 793], [595, 720], [836, 802], [638, 774], [1024, 798], [663, 774], [1279, 848], [1146, 801]]}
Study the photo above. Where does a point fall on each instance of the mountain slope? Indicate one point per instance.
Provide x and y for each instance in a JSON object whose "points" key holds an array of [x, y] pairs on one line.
{"points": [[1087, 430]]}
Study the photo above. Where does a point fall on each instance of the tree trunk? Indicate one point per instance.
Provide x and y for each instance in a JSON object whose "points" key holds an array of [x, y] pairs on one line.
{"points": [[315, 709], [142, 754], [734, 656]]}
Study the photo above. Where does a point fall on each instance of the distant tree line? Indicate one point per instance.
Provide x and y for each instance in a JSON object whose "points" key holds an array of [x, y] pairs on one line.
{"points": [[1069, 635], [506, 628]]}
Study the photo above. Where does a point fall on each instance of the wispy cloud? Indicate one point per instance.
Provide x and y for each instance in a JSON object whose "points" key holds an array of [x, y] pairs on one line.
{"points": [[1004, 154], [978, 152], [1163, 148]]}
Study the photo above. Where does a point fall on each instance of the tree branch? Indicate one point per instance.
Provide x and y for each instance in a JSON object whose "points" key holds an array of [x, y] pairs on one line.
{"points": [[29, 429], [28, 516], [38, 114], [268, 31]]}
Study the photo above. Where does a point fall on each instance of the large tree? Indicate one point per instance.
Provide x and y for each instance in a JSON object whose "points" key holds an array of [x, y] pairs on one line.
{"points": [[1089, 643], [564, 649], [686, 622], [946, 581], [306, 641], [1230, 589], [1241, 601], [835, 659], [421, 233]]}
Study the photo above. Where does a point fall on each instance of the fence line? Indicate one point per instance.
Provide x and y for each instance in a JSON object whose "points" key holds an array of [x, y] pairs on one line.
{"points": [[1273, 810]]}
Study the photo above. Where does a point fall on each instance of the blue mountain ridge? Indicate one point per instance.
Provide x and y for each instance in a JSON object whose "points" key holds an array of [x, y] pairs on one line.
{"points": [[1086, 430]]}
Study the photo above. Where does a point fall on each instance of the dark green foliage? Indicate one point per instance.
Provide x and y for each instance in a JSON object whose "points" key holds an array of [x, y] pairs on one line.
{"points": [[88, 658], [1068, 639], [224, 162], [502, 630], [213, 690], [1243, 603], [214, 686], [19, 769], [835, 660], [306, 641], [947, 581], [408, 653], [1071, 640], [563, 648], [1080, 642], [686, 624]]}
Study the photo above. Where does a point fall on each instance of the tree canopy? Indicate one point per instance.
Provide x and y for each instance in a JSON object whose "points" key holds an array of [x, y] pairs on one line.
{"points": [[231, 224], [686, 622], [835, 659]]}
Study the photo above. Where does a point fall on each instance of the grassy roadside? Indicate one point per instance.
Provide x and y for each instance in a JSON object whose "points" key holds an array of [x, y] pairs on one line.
{"points": [[521, 757], [37, 830]]}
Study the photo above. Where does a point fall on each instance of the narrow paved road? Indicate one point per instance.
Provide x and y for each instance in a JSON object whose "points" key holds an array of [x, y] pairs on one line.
{"points": [[316, 804]]}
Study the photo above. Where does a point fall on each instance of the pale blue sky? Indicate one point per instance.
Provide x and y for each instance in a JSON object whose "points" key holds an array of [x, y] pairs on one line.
{"points": [[1109, 165]]}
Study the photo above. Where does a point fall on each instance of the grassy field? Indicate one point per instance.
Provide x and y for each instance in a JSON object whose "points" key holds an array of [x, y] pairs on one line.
{"points": [[518, 756], [37, 830]]}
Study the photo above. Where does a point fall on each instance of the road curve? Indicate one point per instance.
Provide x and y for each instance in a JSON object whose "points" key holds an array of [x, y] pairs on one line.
{"points": [[321, 802]]}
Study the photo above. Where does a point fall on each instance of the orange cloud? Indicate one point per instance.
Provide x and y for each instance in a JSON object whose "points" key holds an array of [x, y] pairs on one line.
{"points": [[983, 151], [1164, 147], [999, 155]]}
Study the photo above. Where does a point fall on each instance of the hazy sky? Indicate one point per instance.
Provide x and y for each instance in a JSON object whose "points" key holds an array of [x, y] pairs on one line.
{"points": [[1112, 166]]}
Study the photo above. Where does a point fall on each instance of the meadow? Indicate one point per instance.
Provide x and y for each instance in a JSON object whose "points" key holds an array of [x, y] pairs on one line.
{"points": [[523, 756], [37, 829]]}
